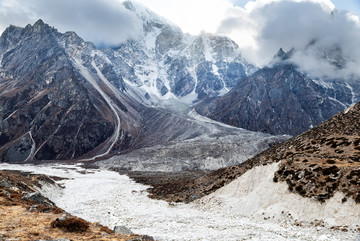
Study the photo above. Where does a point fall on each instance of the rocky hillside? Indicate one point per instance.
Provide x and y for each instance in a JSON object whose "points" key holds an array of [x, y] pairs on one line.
{"points": [[276, 100], [52, 106], [65, 99], [315, 164], [27, 215]]}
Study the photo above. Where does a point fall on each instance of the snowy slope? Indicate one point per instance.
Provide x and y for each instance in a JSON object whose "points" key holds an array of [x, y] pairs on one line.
{"points": [[111, 199], [255, 194]]}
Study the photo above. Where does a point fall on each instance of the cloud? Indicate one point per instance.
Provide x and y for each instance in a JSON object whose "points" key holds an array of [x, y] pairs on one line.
{"points": [[192, 16], [325, 40], [104, 22], [260, 27]]}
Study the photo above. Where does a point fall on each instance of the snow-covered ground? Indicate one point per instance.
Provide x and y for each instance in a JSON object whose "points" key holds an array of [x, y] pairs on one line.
{"points": [[112, 199]]}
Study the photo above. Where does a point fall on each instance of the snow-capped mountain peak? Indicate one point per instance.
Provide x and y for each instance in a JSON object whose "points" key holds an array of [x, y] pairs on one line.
{"points": [[165, 63]]}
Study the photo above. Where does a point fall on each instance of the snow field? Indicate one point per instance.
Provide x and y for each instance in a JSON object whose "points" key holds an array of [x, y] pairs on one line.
{"points": [[111, 199]]}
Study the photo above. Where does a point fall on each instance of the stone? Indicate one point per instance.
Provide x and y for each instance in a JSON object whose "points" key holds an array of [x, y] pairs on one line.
{"points": [[147, 238], [37, 198], [33, 208], [122, 230], [5, 184], [62, 239], [6, 193]]}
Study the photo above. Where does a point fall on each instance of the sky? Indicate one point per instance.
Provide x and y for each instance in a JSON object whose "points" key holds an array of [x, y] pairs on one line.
{"points": [[259, 27]]}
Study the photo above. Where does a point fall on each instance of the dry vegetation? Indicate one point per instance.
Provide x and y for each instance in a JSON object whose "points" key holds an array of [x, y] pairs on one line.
{"points": [[72, 224]]}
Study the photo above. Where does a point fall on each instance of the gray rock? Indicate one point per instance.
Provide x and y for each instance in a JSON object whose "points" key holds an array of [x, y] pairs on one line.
{"points": [[63, 239], [5, 184], [122, 230], [143, 238], [147, 238], [33, 208], [6, 193], [37, 198]]}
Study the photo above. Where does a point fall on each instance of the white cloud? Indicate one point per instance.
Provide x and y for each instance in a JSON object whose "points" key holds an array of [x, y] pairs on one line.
{"points": [[260, 28], [100, 21], [270, 25], [193, 16]]}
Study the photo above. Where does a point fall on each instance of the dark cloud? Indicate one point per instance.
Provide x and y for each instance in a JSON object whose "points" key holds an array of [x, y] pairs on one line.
{"points": [[104, 22]]}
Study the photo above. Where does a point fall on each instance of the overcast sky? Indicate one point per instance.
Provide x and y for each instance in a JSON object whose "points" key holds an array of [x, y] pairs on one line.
{"points": [[260, 27]]}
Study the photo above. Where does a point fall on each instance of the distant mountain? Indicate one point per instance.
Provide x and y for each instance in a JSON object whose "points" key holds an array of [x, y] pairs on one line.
{"points": [[315, 164], [62, 98], [279, 99]]}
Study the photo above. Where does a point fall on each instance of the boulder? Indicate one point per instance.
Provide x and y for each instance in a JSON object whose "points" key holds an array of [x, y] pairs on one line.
{"points": [[38, 198], [122, 230]]}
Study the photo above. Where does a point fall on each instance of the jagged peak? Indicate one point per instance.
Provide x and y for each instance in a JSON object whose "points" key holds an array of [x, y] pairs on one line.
{"points": [[147, 16], [129, 5], [281, 55], [39, 26], [10, 35], [39, 22], [11, 29]]}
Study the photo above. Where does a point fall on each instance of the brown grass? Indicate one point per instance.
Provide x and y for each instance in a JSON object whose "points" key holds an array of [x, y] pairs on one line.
{"points": [[73, 224]]}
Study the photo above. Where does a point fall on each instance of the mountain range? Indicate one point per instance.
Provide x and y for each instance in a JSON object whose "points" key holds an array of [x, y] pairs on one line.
{"points": [[63, 98], [280, 99]]}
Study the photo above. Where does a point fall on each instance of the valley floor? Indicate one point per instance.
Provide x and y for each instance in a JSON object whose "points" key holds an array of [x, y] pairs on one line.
{"points": [[111, 199]]}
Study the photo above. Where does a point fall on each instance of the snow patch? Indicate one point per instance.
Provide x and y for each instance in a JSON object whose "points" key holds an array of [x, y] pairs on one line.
{"points": [[85, 73], [33, 148], [348, 109], [353, 98]]}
